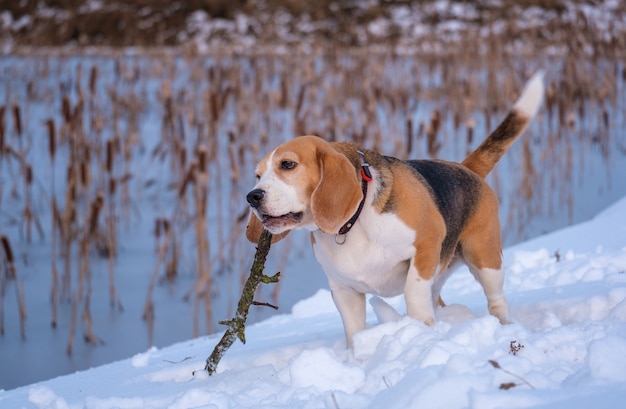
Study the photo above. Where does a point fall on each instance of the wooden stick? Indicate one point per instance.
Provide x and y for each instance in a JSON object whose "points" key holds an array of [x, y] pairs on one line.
{"points": [[237, 325]]}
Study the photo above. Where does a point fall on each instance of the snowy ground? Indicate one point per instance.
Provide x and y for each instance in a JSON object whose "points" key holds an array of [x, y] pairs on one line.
{"points": [[567, 292]]}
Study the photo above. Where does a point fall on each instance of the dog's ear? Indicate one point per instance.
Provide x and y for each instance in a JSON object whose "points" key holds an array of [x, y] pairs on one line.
{"points": [[338, 193], [254, 228]]}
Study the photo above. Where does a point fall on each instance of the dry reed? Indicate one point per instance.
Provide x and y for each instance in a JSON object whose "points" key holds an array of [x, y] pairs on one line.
{"points": [[10, 274]]}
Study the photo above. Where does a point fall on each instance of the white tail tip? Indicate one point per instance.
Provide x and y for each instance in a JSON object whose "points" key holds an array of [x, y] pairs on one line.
{"points": [[532, 96]]}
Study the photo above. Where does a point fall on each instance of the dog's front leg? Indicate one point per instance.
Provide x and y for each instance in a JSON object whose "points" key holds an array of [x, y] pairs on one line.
{"points": [[418, 290], [418, 296], [351, 306]]}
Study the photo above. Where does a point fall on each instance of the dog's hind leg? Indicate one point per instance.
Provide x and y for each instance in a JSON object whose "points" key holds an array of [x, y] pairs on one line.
{"points": [[481, 249], [492, 280], [484, 259]]}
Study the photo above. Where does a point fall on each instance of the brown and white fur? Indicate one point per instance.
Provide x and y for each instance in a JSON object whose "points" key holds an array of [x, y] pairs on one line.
{"points": [[418, 216]]}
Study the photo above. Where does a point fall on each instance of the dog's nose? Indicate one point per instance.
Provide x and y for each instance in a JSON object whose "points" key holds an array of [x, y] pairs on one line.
{"points": [[255, 197]]}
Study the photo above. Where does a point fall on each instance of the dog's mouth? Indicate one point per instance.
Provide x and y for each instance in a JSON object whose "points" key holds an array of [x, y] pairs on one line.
{"points": [[277, 224]]}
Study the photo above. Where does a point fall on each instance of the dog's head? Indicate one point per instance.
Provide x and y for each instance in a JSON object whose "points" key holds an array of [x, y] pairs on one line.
{"points": [[303, 184]]}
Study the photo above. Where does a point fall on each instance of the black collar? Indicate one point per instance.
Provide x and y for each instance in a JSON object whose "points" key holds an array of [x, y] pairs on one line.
{"points": [[366, 176]]}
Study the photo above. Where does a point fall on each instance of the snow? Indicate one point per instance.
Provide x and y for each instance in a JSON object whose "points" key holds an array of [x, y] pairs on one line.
{"points": [[565, 349]]}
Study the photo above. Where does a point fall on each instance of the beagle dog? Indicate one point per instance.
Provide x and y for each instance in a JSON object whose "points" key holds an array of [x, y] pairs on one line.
{"points": [[386, 226]]}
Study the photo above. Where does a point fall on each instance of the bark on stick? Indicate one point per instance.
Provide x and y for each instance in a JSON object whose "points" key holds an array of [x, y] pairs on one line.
{"points": [[237, 325]]}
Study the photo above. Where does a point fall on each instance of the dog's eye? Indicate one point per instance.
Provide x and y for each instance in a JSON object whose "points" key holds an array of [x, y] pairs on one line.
{"points": [[287, 164], [258, 177]]}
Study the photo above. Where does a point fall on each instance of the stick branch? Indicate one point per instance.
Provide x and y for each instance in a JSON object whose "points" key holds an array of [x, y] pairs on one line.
{"points": [[237, 325]]}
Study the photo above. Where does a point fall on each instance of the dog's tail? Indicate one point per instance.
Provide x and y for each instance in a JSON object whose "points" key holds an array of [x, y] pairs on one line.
{"points": [[484, 158]]}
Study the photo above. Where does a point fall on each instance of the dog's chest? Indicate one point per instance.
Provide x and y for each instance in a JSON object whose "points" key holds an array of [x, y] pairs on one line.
{"points": [[374, 258]]}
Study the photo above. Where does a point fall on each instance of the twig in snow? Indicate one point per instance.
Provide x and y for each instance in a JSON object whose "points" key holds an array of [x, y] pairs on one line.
{"points": [[237, 325], [509, 385]]}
